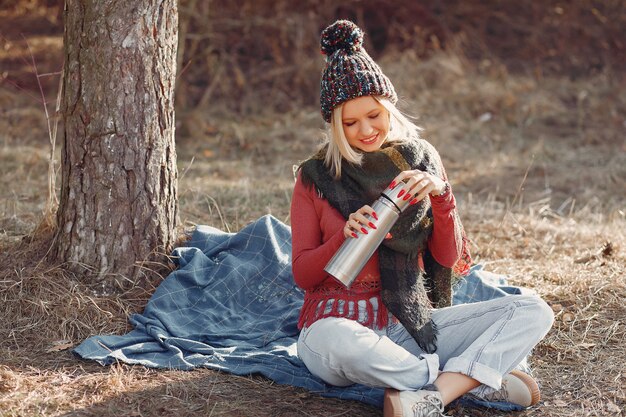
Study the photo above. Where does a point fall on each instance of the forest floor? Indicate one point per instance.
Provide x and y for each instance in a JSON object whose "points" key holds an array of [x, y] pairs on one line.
{"points": [[538, 165]]}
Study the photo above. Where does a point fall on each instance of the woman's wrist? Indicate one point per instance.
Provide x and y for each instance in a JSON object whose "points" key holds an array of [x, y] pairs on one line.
{"points": [[444, 190]]}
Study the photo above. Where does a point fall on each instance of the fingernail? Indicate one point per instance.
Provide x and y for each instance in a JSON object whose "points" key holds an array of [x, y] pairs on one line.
{"points": [[393, 184], [407, 196], [354, 234], [372, 225], [375, 215], [401, 193], [414, 201], [364, 230]]}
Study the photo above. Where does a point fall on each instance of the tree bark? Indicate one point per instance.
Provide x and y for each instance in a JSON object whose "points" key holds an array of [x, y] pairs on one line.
{"points": [[118, 203]]}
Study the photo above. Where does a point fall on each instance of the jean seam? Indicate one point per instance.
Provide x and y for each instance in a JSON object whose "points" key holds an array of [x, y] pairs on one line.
{"points": [[473, 316], [460, 364], [498, 332]]}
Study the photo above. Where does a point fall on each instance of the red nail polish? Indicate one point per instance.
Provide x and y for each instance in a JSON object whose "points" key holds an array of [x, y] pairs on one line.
{"points": [[375, 215], [401, 193], [354, 234], [372, 225], [388, 236], [414, 201], [393, 184], [406, 197], [364, 230]]}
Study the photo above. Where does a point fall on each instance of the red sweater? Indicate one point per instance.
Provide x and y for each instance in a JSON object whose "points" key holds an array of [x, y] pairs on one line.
{"points": [[317, 233]]}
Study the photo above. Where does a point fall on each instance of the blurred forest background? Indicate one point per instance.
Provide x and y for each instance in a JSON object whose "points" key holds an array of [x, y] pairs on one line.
{"points": [[543, 80], [525, 101]]}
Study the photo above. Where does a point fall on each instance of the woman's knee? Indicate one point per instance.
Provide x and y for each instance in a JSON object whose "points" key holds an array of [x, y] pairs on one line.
{"points": [[540, 314], [320, 347], [338, 340], [546, 313], [336, 349]]}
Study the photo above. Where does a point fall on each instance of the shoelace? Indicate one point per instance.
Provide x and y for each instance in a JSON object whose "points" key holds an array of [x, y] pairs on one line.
{"points": [[430, 406]]}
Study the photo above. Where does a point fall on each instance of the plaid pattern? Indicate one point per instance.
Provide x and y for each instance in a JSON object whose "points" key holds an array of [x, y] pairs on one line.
{"points": [[232, 306]]}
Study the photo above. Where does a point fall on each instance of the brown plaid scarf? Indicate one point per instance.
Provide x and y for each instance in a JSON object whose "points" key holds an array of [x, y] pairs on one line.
{"points": [[404, 285]]}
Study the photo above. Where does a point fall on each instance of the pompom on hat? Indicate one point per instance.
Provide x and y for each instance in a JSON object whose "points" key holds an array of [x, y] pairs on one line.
{"points": [[350, 72]]}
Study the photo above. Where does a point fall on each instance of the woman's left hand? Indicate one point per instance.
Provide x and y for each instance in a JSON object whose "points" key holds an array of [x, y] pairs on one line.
{"points": [[418, 184]]}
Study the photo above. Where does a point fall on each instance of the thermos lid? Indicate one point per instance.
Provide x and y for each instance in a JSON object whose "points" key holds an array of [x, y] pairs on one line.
{"points": [[397, 197]]}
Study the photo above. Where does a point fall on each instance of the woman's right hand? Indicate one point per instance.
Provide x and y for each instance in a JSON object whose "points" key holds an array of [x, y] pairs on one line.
{"points": [[360, 222]]}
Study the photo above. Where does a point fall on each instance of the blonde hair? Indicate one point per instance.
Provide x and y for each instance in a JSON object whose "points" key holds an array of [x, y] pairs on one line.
{"points": [[401, 130]]}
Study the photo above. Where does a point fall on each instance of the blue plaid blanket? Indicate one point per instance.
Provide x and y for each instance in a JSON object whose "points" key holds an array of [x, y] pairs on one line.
{"points": [[232, 305]]}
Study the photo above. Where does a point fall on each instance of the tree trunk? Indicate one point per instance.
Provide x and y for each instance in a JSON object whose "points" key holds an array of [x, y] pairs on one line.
{"points": [[118, 204]]}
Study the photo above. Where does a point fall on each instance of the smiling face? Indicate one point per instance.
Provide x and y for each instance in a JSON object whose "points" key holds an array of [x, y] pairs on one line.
{"points": [[365, 123]]}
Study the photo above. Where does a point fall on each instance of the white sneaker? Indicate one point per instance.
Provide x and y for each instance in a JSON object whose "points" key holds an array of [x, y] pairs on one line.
{"points": [[517, 388], [420, 403]]}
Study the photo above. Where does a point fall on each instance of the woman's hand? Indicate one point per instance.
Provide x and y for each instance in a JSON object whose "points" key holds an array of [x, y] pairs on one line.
{"points": [[360, 222], [418, 184]]}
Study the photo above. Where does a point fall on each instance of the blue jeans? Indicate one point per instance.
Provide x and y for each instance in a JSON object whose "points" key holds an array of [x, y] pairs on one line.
{"points": [[483, 340]]}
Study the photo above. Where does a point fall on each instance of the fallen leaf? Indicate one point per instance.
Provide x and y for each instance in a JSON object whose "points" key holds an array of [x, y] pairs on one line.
{"points": [[557, 308], [60, 345]]}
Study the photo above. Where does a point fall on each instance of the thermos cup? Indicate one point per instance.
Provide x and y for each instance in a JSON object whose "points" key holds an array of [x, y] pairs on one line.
{"points": [[354, 253]]}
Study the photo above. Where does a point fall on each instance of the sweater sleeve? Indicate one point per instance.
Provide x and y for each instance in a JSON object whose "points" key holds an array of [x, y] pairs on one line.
{"points": [[310, 253], [446, 241]]}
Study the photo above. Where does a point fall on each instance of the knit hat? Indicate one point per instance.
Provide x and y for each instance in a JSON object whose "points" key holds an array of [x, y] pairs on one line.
{"points": [[350, 72]]}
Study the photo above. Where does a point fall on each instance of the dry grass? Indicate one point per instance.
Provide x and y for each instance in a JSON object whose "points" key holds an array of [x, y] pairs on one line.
{"points": [[538, 164]]}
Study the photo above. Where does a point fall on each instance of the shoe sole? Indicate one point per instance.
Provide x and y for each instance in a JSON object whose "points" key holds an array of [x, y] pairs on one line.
{"points": [[392, 406], [529, 381]]}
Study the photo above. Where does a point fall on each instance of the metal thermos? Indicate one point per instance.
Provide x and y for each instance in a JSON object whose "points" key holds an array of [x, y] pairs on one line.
{"points": [[354, 253]]}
